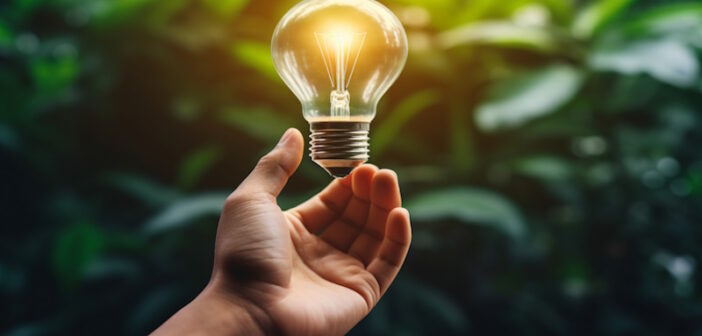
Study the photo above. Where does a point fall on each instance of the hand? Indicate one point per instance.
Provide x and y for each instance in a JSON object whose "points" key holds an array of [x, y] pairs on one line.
{"points": [[317, 269]]}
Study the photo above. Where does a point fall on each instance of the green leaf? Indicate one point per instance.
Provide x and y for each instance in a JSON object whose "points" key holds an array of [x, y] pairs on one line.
{"points": [[411, 307], [561, 10], [469, 205], [256, 55], [260, 123], [164, 11], [226, 8], [187, 108], [666, 60], [75, 248], [501, 34], [433, 5], [186, 211], [195, 165], [679, 21], [6, 36], [576, 122], [597, 16], [432, 302], [145, 190], [410, 146], [462, 147], [115, 12], [54, 75], [385, 133], [25, 8], [545, 168], [514, 102], [421, 174], [110, 268]]}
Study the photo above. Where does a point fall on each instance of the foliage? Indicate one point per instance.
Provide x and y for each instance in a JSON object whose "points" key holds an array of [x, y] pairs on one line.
{"points": [[548, 151]]}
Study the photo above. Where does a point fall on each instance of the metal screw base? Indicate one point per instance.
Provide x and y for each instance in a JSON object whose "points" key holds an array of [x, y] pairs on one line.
{"points": [[339, 146]]}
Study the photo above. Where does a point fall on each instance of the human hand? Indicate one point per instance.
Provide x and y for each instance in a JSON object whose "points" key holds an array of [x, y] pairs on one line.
{"points": [[316, 269]]}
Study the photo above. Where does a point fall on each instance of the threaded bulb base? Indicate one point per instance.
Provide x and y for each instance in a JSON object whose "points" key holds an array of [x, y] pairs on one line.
{"points": [[339, 146]]}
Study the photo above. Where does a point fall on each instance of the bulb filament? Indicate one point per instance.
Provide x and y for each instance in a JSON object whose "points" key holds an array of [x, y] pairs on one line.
{"points": [[338, 48]]}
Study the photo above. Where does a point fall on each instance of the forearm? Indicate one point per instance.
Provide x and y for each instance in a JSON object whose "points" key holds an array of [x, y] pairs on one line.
{"points": [[211, 313]]}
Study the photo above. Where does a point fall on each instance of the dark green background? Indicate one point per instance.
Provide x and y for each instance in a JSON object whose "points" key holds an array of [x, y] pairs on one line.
{"points": [[548, 151]]}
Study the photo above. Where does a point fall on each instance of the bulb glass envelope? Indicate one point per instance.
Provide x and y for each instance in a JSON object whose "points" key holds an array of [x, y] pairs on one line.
{"points": [[339, 57]]}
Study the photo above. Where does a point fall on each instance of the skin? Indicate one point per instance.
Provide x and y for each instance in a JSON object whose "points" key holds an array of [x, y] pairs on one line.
{"points": [[316, 269]]}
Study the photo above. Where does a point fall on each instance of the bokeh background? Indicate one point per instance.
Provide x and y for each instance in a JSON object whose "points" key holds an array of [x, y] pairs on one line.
{"points": [[548, 151]]}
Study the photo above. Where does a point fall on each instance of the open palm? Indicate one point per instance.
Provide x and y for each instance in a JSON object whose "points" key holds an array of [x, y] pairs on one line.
{"points": [[319, 268]]}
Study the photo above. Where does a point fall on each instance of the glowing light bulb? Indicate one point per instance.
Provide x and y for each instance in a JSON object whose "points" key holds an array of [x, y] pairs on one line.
{"points": [[339, 57]]}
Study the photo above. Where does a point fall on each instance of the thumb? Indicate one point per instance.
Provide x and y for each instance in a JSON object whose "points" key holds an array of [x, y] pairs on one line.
{"points": [[273, 170]]}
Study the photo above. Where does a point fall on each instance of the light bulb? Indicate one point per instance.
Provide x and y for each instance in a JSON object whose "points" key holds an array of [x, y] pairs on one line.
{"points": [[339, 57]]}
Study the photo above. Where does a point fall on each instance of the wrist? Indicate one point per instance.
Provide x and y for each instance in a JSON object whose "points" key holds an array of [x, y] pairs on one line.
{"points": [[217, 312], [232, 314]]}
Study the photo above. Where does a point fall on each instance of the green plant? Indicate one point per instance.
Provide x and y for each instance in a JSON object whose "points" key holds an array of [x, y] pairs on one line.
{"points": [[548, 150]]}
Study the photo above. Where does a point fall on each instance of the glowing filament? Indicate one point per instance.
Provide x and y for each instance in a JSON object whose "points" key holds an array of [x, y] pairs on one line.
{"points": [[338, 48]]}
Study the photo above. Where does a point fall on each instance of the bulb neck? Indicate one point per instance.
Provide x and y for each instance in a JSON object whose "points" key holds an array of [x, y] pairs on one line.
{"points": [[339, 146]]}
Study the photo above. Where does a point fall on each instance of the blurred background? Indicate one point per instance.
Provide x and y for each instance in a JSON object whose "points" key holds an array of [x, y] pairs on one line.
{"points": [[548, 151]]}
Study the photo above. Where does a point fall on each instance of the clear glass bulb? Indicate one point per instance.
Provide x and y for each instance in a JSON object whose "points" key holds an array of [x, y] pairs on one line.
{"points": [[339, 57]]}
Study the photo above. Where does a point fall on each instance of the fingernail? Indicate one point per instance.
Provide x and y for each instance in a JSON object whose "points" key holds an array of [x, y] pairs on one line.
{"points": [[286, 136]]}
